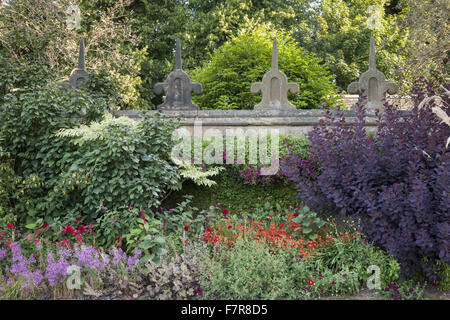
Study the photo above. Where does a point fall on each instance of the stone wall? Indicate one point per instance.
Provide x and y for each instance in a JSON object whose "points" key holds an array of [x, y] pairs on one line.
{"points": [[292, 122], [403, 103]]}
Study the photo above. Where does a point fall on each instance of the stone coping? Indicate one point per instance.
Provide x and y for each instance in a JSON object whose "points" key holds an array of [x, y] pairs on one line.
{"points": [[250, 117]]}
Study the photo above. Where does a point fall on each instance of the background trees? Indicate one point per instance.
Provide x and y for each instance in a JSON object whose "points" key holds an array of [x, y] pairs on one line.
{"points": [[227, 78], [132, 41]]}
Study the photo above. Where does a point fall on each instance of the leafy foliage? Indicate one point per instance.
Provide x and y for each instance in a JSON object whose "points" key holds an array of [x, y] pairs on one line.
{"points": [[427, 50], [34, 32], [30, 114], [337, 32], [121, 163], [396, 182], [227, 78], [176, 277], [198, 174], [248, 271], [309, 221]]}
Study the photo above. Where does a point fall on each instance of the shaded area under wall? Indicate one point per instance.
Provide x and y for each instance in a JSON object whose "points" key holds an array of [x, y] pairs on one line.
{"points": [[234, 195]]}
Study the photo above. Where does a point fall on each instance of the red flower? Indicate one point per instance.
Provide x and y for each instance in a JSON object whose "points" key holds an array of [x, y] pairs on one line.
{"points": [[81, 229], [207, 230], [224, 212], [10, 226], [310, 282], [296, 214], [78, 220], [68, 229], [186, 228], [44, 226]]}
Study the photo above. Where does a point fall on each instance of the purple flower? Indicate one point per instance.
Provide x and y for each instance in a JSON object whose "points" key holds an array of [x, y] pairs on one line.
{"points": [[132, 261], [104, 208], [171, 210], [65, 253], [218, 204], [2, 253], [119, 255], [31, 259], [131, 207], [199, 291], [37, 276], [56, 271]]}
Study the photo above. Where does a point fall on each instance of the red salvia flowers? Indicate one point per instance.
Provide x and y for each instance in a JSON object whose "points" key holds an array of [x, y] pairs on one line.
{"points": [[279, 236]]}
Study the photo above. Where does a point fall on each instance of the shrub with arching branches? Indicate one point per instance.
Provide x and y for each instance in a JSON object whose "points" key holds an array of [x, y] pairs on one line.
{"points": [[396, 182]]}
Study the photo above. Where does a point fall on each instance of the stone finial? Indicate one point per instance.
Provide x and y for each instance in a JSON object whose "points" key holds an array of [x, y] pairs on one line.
{"points": [[373, 82], [178, 55], [274, 87], [79, 75], [178, 87]]}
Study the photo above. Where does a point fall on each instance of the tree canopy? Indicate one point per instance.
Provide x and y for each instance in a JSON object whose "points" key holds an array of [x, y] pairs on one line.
{"points": [[133, 41]]}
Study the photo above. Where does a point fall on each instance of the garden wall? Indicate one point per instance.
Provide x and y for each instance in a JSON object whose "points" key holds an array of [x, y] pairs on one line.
{"points": [[292, 122]]}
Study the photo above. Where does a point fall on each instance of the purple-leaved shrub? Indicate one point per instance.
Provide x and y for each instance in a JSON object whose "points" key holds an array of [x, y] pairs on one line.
{"points": [[395, 182]]}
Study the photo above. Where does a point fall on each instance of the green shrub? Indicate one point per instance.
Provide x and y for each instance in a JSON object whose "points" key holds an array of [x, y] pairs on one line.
{"points": [[444, 283], [248, 271], [119, 162], [315, 281], [357, 255], [29, 117], [310, 223], [227, 78], [23, 75]]}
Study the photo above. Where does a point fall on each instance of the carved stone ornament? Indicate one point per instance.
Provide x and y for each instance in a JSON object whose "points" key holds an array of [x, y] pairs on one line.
{"points": [[178, 87], [274, 87]]}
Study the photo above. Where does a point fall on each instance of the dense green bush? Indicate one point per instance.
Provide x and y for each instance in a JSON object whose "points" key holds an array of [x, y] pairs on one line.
{"points": [[248, 271], [227, 78], [357, 255], [119, 162], [31, 111], [22, 75]]}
